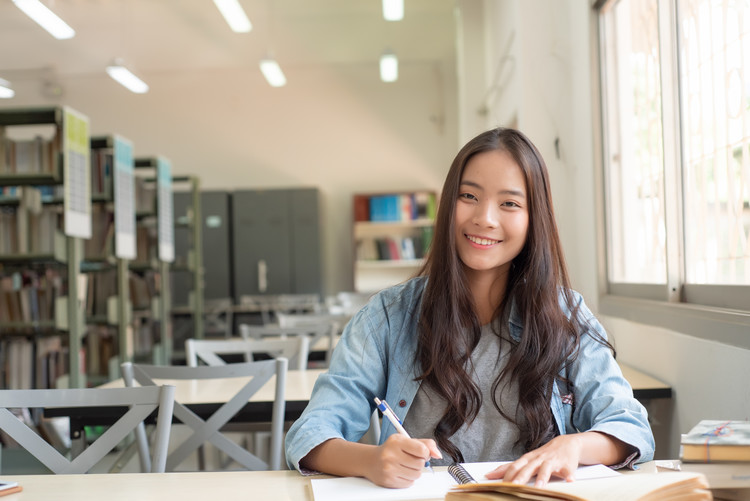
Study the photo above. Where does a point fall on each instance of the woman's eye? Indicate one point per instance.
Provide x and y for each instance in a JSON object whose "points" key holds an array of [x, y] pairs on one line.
{"points": [[467, 196], [509, 203]]}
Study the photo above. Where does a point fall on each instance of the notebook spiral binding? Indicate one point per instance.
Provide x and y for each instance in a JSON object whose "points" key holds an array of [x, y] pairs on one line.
{"points": [[460, 474]]}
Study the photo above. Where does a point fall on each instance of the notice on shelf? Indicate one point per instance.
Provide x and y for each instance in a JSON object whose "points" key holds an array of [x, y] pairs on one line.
{"points": [[164, 209], [77, 166], [125, 234]]}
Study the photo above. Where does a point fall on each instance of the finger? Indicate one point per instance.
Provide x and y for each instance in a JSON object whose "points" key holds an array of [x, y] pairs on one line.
{"points": [[512, 469], [498, 472], [432, 447], [543, 475], [526, 472]]}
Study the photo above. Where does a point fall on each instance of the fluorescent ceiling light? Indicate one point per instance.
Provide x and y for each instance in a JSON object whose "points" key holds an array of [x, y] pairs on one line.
{"points": [[45, 18], [5, 90], [127, 79], [393, 10], [234, 15], [388, 67], [272, 71]]}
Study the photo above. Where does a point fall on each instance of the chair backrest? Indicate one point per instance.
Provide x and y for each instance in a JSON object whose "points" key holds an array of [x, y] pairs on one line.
{"points": [[319, 324], [218, 316], [209, 429], [141, 402], [295, 349]]}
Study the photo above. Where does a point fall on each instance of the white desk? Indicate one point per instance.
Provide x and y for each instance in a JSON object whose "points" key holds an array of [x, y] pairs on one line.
{"points": [[299, 385], [226, 486]]}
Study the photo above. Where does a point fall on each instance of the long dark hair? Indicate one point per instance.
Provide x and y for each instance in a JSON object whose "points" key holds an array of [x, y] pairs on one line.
{"points": [[449, 328]]}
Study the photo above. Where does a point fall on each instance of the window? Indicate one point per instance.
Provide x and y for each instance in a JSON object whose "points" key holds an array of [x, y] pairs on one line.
{"points": [[676, 116]]}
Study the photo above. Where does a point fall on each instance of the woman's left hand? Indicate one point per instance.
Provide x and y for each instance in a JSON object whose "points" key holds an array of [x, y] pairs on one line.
{"points": [[559, 458]]}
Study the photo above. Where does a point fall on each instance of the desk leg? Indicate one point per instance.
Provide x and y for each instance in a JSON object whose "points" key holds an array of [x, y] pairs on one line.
{"points": [[660, 418], [77, 437]]}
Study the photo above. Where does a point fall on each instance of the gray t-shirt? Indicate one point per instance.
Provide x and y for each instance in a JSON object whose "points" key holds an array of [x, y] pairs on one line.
{"points": [[490, 437]]}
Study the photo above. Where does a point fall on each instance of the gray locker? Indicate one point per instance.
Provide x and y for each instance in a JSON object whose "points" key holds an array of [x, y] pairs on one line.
{"points": [[276, 242], [217, 227]]}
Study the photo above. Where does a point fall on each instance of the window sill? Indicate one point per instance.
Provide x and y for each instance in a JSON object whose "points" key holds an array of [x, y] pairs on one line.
{"points": [[715, 324]]}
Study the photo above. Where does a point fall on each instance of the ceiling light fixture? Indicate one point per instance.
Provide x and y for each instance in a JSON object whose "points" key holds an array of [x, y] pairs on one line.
{"points": [[6, 92], [45, 18], [272, 71], [393, 10], [234, 15], [388, 67], [126, 78]]}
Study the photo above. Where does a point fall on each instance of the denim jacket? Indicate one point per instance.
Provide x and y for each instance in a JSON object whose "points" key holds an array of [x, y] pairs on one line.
{"points": [[375, 358]]}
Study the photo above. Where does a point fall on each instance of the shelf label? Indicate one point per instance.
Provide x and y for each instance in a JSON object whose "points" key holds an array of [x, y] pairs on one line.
{"points": [[125, 233], [164, 209], [76, 166]]}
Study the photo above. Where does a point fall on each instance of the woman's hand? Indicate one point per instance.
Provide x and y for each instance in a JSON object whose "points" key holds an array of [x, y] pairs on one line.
{"points": [[400, 460], [560, 458]]}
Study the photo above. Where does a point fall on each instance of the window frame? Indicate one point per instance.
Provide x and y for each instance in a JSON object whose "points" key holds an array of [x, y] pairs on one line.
{"points": [[713, 312]]}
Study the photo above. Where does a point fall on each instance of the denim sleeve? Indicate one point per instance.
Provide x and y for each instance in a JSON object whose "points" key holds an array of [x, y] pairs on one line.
{"points": [[342, 399], [604, 400]]}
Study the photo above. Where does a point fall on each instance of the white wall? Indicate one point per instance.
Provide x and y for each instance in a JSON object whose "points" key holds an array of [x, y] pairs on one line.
{"points": [[341, 130], [551, 96]]}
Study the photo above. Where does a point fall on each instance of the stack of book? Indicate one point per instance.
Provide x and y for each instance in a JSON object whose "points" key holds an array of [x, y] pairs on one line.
{"points": [[721, 451]]}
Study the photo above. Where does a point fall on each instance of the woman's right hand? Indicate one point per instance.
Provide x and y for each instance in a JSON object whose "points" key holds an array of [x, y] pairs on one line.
{"points": [[400, 460]]}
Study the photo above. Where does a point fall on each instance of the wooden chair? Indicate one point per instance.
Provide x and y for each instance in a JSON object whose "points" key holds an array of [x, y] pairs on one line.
{"points": [[141, 402], [209, 430]]}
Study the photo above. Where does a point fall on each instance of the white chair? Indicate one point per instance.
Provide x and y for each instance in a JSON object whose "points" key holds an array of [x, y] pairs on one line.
{"points": [[319, 325], [141, 402], [218, 317], [209, 430], [313, 332], [208, 351]]}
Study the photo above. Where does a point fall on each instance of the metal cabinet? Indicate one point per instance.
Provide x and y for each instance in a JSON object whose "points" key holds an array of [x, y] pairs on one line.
{"points": [[276, 242]]}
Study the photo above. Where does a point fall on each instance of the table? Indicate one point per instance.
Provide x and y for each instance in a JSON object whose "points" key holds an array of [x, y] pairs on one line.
{"points": [[644, 386], [228, 486], [204, 397]]}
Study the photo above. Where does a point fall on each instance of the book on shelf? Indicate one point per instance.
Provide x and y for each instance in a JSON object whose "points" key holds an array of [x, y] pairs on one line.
{"points": [[397, 207], [27, 156], [715, 440]]}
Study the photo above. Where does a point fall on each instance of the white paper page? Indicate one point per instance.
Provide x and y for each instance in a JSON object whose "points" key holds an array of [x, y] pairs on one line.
{"points": [[428, 486], [479, 470]]}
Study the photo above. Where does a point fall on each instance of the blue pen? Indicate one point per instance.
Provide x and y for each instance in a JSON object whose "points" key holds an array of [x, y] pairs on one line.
{"points": [[396, 422]]}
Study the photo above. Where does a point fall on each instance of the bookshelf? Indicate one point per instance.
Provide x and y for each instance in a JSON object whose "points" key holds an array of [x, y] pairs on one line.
{"points": [[392, 232], [44, 175], [111, 248], [154, 217], [187, 269]]}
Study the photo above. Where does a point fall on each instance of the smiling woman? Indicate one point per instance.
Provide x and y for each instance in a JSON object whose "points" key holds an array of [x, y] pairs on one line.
{"points": [[489, 354]]}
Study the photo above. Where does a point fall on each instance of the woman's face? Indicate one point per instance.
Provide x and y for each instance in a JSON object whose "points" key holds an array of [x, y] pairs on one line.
{"points": [[492, 216]]}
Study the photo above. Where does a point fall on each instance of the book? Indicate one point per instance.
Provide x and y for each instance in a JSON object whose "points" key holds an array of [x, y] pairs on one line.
{"points": [[7, 487], [675, 486], [712, 440], [729, 475]]}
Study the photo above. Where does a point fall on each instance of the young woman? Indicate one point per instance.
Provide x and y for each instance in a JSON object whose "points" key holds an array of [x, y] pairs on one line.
{"points": [[488, 355]]}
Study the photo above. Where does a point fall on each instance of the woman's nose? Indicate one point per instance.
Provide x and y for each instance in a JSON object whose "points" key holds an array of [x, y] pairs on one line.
{"points": [[486, 214]]}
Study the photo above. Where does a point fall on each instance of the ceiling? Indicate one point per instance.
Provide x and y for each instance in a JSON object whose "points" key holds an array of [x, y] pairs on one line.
{"points": [[153, 36]]}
